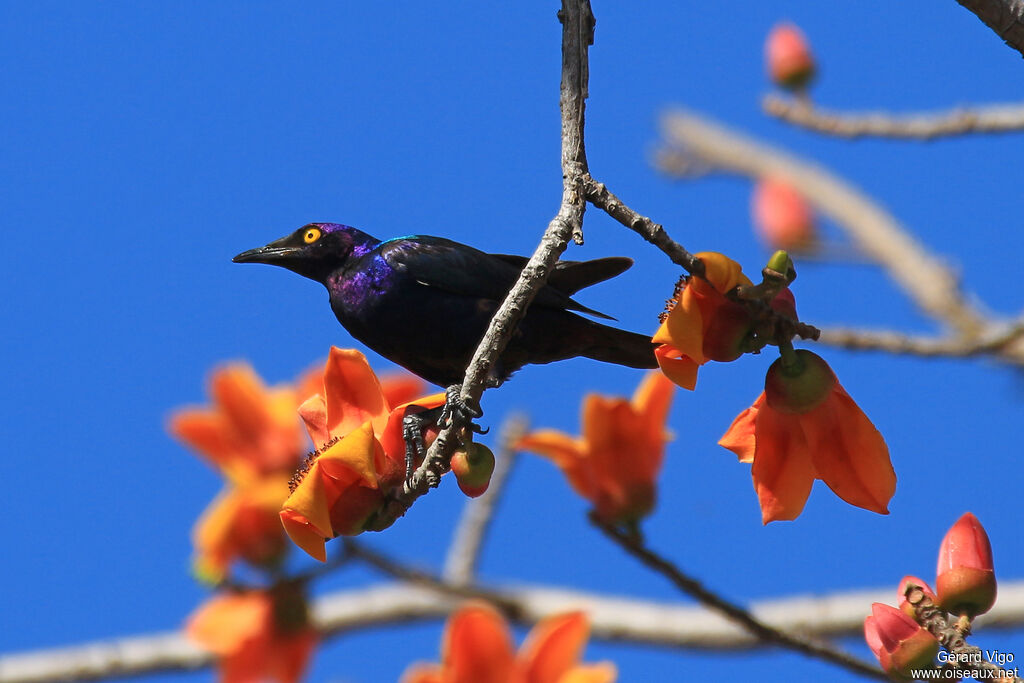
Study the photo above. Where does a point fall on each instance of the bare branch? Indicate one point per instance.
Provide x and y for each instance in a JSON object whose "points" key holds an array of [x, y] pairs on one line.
{"points": [[633, 544], [931, 283], [1002, 346], [613, 618], [920, 126], [577, 35], [1005, 17], [464, 551]]}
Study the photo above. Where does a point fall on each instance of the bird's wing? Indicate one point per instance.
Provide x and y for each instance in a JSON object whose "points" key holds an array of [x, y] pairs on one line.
{"points": [[572, 276], [461, 269]]}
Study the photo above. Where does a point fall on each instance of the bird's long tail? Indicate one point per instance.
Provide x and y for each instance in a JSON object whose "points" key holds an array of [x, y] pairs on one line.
{"points": [[612, 345]]}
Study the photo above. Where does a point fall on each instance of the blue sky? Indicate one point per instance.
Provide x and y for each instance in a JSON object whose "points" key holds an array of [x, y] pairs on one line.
{"points": [[146, 143]]}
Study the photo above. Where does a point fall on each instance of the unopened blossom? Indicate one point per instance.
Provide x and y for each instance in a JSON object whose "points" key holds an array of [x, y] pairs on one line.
{"points": [[788, 57], [965, 581], [781, 216]]}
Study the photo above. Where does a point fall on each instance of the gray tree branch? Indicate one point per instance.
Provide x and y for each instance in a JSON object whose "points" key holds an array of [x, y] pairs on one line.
{"points": [[694, 141], [613, 618], [918, 126]]}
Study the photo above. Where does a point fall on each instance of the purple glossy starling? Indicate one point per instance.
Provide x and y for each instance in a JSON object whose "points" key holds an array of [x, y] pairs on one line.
{"points": [[425, 302]]}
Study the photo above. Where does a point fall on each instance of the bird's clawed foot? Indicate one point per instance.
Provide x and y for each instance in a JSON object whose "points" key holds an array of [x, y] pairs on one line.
{"points": [[458, 412], [455, 413], [413, 425]]}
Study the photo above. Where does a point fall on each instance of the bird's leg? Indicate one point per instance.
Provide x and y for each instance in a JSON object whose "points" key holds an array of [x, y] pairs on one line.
{"points": [[413, 426], [455, 413]]}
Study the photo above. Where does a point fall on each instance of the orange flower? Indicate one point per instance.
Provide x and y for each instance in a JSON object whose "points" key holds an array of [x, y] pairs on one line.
{"points": [[250, 431], [703, 324], [788, 57], [352, 394], [241, 523], [615, 463], [360, 458], [782, 216], [477, 648], [257, 636], [803, 427]]}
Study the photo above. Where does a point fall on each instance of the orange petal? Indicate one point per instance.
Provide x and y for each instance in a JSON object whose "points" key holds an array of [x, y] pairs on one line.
{"points": [[849, 454], [684, 326], [676, 366], [567, 453], [211, 533], [553, 647], [313, 412], [288, 656], [401, 387], [477, 646], [304, 534], [722, 272], [223, 623], [782, 471], [652, 400], [605, 672], [306, 514], [205, 432], [740, 438], [352, 391], [242, 396], [352, 455], [391, 437]]}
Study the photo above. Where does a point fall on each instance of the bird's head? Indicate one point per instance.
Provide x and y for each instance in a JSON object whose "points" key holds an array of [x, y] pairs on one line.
{"points": [[315, 250]]}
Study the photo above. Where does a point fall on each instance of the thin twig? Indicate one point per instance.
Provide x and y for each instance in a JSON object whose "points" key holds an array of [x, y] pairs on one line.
{"points": [[1005, 17], [602, 198], [633, 544], [464, 551], [918, 126], [931, 283]]}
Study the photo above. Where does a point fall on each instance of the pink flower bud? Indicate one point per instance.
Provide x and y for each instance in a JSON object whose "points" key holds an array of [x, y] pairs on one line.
{"points": [[899, 642], [782, 217], [789, 60], [965, 579], [901, 597]]}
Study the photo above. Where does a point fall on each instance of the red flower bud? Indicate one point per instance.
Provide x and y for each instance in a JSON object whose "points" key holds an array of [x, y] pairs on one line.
{"points": [[899, 642], [473, 469], [800, 386], [901, 597], [782, 217], [965, 579], [789, 60]]}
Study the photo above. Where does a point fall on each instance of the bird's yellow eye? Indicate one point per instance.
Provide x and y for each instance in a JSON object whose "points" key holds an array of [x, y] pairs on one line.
{"points": [[312, 235]]}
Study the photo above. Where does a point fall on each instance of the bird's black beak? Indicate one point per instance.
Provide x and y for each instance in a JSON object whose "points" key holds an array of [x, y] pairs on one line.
{"points": [[275, 254]]}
